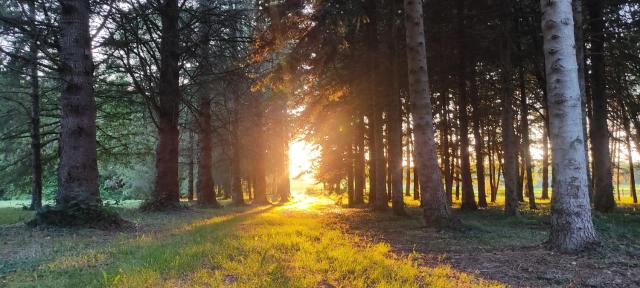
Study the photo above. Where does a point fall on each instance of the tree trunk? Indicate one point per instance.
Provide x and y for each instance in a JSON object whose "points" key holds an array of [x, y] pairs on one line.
{"points": [[446, 151], [510, 166], [436, 209], [78, 167], [359, 172], [350, 161], [259, 166], [479, 143], [190, 168], [545, 149], [237, 193], [579, 33], [407, 179], [632, 176], [372, 162], [395, 122], [36, 153], [204, 185], [526, 153], [468, 195], [571, 224], [602, 174], [166, 193]]}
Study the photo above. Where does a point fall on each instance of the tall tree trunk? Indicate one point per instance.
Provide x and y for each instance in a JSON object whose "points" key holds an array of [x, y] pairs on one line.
{"points": [[436, 209], [578, 20], [36, 153], [359, 172], [602, 174], [237, 193], [510, 166], [407, 179], [446, 151], [545, 149], [416, 173], [632, 176], [259, 165], [350, 161], [468, 195], [571, 224], [78, 167], [526, 157], [204, 184], [372, 162], [166, 193], [190, 168], [479, 143], [395, 121]]}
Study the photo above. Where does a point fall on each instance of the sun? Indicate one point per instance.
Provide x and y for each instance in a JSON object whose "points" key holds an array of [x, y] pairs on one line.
{"points": [[301, 156]]}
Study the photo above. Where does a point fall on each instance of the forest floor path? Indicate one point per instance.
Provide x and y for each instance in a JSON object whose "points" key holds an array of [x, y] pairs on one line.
{"points": [[298, 244], [312, 242]]}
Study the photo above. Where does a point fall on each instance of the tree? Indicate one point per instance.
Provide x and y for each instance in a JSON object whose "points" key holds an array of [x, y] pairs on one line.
{"points": [[436, 209], [166, 192], [602, 175], [571, 224], [78, 201]]}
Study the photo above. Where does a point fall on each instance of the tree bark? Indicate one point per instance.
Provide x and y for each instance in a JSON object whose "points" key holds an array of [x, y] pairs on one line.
{"points": [[479, 143], [602, 173], [436, 209], [468, 195], [78, 166], [36, 153], [191, 169], [510, 166], [571, 224], [359, 172], [395, 123], [166, 193]]}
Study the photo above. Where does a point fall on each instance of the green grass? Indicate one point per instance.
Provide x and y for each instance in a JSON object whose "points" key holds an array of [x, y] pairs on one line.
{"points": [[277, 246], [14, 215]]}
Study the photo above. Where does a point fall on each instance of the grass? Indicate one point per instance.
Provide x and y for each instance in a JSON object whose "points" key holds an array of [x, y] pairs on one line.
{"points": [[276, 246]]}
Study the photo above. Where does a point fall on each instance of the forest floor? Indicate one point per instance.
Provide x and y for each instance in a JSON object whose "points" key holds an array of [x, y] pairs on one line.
{"points": [[511, 251], [312, 242]]}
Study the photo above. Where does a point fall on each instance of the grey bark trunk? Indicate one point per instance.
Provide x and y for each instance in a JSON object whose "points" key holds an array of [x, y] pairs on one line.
{"points": [[436, 209], [571, 224]]}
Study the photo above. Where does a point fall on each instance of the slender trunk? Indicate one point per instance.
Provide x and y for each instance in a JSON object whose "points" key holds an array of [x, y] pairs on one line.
{"points": [[602, 174], [350, 167], [78, 166], [407, 178], [510, 166], [436, 209], [259, 166], [479, 143], [444, 138], [166, 193], [190, 168], [416, 174], [395, 123], [359, 162], [545, 149], [237, 194], [36, 153], [632, 176], [526, 153], [204, 185], [571, 224], [372, 162], [468, 195]]}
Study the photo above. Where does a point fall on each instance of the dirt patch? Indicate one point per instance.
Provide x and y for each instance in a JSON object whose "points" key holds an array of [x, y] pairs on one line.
{"points": [[518, 259]]}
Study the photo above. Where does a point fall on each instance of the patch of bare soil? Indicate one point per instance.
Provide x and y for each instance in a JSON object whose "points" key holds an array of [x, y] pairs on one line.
{"points": [[528, 264]]}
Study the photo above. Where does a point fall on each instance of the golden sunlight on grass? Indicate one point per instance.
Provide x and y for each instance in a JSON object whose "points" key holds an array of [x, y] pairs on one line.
{"points": [[304, 201]]}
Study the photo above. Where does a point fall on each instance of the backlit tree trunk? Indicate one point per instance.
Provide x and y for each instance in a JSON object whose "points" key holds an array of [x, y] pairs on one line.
{"points": [[602, 173], [571, 224], [436, 209], [359, 170], [509, 145], [479, 144]]}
